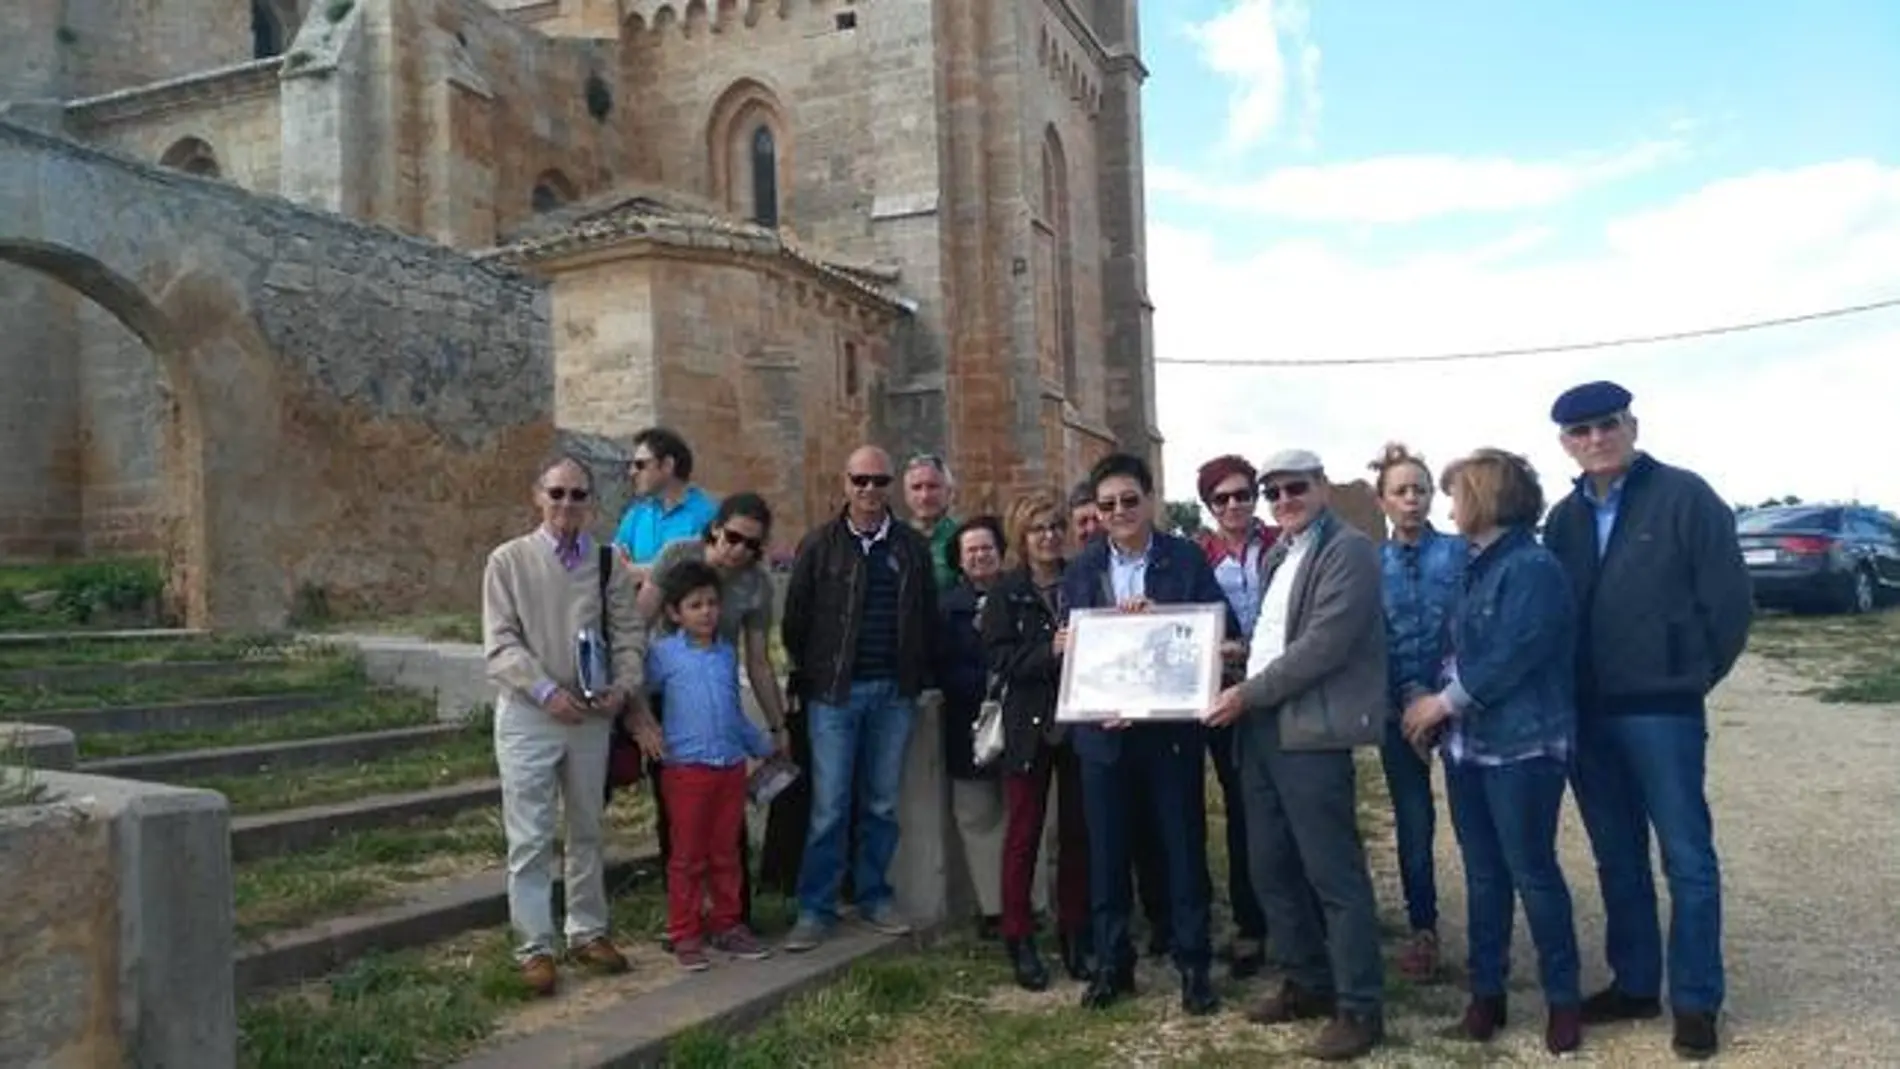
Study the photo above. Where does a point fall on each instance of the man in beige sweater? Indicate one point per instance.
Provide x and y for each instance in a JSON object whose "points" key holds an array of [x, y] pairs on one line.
{"points": [[540, 591]]}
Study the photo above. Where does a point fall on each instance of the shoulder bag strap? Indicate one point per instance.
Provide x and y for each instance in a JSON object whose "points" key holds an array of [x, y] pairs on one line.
{"points": [[606, 576]]}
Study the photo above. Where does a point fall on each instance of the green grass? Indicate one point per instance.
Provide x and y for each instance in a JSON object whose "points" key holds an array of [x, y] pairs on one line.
{"points": [[82, 651], [1847, 659], [436, 627], [412, 1009], [328, 674], [466, 757], [374, 712], [78, 594]]}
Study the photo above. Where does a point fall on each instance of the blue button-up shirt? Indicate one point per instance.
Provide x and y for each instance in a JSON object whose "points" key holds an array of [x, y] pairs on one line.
{"points": [[704, 720], [1604, 509], [650, 523], [1128, 572]]}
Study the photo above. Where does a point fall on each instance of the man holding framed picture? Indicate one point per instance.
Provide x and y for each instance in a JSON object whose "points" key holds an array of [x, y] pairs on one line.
{"points": [[1133, 568]]}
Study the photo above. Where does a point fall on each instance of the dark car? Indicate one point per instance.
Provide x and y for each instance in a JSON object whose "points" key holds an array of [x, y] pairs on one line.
{"points": [[1840, 558]]}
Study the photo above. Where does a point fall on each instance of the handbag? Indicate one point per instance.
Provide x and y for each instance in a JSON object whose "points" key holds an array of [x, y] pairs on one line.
{"points": [[986, 735]]}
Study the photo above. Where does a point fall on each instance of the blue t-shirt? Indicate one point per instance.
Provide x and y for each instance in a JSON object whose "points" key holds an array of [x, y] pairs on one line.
{"points": [[648, 524], [705, 722]]}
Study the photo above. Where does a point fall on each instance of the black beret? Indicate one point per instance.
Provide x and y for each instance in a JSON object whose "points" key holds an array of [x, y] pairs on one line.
{"points": [[1592, 400]]}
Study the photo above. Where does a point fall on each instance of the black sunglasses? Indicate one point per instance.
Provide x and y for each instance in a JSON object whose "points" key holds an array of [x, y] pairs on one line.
{"points": [[734, 538], [1126, 502], [576, 494], [1235, 497], [861, 480], [1275, 491], [1604, 426]]}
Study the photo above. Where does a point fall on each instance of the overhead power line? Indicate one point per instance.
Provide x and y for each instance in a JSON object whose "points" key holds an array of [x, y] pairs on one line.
{"points": [[1539, 350]]}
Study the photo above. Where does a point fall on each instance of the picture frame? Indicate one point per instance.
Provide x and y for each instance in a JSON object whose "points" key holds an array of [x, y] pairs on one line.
{"points": [[1161, 664]]}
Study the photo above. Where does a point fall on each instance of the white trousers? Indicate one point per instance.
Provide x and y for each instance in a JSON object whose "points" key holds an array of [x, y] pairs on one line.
{"points": [[977, 806], [542, 762]]}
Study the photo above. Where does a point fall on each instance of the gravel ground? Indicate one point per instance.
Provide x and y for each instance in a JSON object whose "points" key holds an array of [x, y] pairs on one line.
{"points": [[1806, 797]]}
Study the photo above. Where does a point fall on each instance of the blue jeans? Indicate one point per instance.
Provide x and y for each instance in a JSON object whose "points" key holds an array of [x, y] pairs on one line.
{"points": [[1632, 773], [1505, 817], [1408, 779], [861, 742]]}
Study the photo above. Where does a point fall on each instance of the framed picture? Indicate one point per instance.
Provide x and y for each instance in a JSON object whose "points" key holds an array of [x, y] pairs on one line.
{"points": [[1163, 664]]}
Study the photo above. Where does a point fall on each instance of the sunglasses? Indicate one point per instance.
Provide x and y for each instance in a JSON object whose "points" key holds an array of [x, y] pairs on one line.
{"points": [[575, 494], [1126, 503], [1273, 492], [643, 463], [1231, 497], [733, 538], [861, 480], [1602, 426]]}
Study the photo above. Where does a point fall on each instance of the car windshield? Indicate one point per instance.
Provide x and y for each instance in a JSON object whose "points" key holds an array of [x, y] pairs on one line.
{"points": [[1763, 521]]}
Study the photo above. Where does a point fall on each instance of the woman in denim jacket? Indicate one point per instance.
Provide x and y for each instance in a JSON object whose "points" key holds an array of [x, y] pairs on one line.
{"points": [[1507, 721], [1422, 573]]}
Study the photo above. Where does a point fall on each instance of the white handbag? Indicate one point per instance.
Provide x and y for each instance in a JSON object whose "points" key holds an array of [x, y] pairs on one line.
{"points": [[986, 735]]}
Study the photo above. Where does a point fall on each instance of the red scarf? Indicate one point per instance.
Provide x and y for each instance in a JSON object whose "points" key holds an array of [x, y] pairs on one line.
{"points": [[1218, 549]]}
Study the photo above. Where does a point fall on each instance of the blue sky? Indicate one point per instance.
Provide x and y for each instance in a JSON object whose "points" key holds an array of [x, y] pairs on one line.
{"points": [[1342, 178]]}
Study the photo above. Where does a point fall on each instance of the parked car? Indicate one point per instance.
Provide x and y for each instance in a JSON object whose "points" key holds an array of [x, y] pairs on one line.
{"points": [[1840, 558]]}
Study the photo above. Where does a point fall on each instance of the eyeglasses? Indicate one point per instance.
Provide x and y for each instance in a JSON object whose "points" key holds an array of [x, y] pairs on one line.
{"points": [[1601, 426], [861, 480], [643, 463], [1052, 527], [1233, 497], [1273, 492], [733, 538], [1126, 503], [576, 494]]}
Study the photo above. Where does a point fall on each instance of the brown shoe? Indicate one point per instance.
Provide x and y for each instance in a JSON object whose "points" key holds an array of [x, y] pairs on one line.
{"points": [[1482, 1020], [601, 956], [1563, 1033], [1292, 1003], [1346, 1037], [539, 974], [1418, 961]]}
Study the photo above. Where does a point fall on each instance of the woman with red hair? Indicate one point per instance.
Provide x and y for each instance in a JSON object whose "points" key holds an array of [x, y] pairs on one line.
{"points": [[1229, 489]]}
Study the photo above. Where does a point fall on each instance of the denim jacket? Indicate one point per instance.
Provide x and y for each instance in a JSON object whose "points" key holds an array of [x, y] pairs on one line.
{"points": [[1514, 639], [1421, 587]]}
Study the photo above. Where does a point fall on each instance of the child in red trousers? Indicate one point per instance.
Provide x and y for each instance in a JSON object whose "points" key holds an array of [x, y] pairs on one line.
{"points": [[708, 738]]}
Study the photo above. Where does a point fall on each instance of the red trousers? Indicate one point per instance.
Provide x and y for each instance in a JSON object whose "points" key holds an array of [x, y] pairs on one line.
{"points": [[705, 812], [1025, 799]]}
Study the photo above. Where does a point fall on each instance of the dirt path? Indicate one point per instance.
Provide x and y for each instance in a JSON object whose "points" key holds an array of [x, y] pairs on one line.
{"points": [[1806, 797]]}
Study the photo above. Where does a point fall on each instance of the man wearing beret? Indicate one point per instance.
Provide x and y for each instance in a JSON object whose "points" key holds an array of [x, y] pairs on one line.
{"points": [[1666, 604]]}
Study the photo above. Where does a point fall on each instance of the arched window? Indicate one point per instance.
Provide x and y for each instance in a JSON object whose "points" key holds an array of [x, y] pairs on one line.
{"points": [[551, 190], [192, 156], [267, 35], [764, 177], [1055, 214]]}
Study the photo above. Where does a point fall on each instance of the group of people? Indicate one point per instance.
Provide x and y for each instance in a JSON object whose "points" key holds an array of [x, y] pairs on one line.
{"points": [[1526, 652]]}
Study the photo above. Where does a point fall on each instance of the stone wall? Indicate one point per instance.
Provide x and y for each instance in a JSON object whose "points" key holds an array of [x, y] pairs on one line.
{"points": [[234, 113], [117, 932], [61, 49], [350, 411]]}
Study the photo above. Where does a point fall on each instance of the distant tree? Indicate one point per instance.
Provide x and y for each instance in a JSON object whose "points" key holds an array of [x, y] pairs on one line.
{"points": [[1777, 502], [1182, 517]]}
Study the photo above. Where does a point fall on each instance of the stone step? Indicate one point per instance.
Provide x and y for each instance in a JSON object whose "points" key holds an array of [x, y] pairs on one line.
{"points": [[724, 1001], [118, 673], [53, 638], [288, 831], [271, 756], [434, 913], [208, 714]]}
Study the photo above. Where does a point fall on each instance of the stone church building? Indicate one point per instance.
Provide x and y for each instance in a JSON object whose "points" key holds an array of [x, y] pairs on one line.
{"points": [[783, 226]]}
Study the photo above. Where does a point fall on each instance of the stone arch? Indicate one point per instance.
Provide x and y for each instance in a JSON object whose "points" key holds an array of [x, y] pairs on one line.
{"points": [[192, 155], [182, 460], [1055, 214], [552, 189], [749, 152]]}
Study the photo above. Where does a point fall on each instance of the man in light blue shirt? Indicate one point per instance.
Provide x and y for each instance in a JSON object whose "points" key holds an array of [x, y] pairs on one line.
{"points": [[667, 506]]}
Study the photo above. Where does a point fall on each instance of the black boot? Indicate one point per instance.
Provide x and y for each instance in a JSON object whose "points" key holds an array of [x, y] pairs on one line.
{"points": [[1197, 993], [1076, 955], [1031, 975], [1109, 985]]}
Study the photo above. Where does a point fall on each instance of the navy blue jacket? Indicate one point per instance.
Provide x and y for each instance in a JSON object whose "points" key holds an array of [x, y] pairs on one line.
{"points": [[1514, 635], [962, 675]]}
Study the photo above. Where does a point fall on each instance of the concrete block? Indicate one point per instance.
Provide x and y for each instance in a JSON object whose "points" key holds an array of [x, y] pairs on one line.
{"points": [[288, 831], [38, 746], [273, 756], [456, 673], [117, 927], [920, 873]]}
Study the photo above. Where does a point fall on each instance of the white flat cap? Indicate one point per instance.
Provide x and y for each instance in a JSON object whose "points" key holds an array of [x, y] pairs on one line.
{"points": [[1291, 461]]}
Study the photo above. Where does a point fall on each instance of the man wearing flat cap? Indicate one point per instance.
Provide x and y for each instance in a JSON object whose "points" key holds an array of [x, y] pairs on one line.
{"points": [[1666, 604], [1315, 690]]}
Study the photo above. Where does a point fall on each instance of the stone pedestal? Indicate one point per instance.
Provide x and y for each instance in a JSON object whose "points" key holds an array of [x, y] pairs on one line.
{"points": [[920, 874], [38, 746], [116, 926]]}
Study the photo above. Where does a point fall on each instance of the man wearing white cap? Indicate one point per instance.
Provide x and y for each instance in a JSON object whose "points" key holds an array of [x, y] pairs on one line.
{"points": [[1315, 690]]}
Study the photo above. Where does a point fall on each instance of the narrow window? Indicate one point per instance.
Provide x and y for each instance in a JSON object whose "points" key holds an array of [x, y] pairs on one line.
{"points": [[267, 39], [850, 369], [764, 177]]}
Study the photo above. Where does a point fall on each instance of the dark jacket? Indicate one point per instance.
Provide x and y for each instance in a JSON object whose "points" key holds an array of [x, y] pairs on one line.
{"points": [[1665, 612], [1019, 634], [824, 602], [963, 676], [1514, 636], [1328, 688], [1420, 587], [1177, 574]]}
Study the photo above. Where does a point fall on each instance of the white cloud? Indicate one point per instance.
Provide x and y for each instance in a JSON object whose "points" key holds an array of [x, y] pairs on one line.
{"points": [[1265, 49], [1782, 411], [1406, 189]]}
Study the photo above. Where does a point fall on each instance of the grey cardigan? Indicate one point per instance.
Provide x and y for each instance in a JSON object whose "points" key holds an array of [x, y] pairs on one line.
{"points": [[1329, 686]]}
